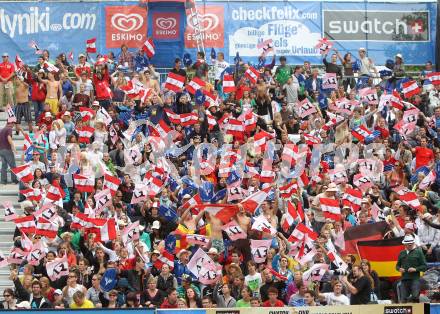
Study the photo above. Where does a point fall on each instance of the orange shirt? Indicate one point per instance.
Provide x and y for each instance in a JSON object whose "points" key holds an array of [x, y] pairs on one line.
{"points": [[6, 69]]}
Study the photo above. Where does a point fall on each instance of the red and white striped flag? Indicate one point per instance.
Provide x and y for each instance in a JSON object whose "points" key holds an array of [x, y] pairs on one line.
{"points": [[165, 258], [32, 194], [250, 120], [300, 231], [330, 208], [23, 173], [434, 77], [195, 84], [57, 268], [111, 182], [410, 89], [223, 212], [184, 119], [352, 198], [174, 82], [108, 230], [192, 202], [290, 216], [253, 201], [370, 95], [235, 128], [84, 183], [361, 133], [252, 74], [26, 224], [410, 199], [286, 191], [84, 134], [55, 192], [311, 140], [305, 108], [91, 45], [228, 84], [46, 228], [17, 256], [212, 122], [86, 113], [396, 100], [148, 48], [260, 140], [337, 261]]}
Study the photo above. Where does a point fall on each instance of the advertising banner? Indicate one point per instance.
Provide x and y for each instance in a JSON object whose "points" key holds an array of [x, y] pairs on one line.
{"points": [[289, 28], [53, 26]]}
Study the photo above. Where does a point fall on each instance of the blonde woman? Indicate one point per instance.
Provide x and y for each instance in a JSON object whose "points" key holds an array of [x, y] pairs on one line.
{"points": [[118, 80]]}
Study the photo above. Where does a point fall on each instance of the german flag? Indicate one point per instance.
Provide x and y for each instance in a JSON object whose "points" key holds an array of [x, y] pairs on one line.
{"points": [[367, 232], [382, 255]]}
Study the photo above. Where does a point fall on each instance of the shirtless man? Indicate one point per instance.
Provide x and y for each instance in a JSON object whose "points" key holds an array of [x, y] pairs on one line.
{"points": [[23, 108], [54, 93], [149, 82]]}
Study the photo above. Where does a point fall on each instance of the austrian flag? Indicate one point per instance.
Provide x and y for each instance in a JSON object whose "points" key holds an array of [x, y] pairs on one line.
{"points": [[184, 119], [174, 82], [91, 45], [330, 208], [434, 78], [195, 84], [23, 173], [410, 89], [148, 48], [84, 183], [228, 84], [252, 74]]}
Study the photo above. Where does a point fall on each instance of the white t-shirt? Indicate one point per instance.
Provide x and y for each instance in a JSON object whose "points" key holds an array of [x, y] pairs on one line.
{"points": [[219, 66], [332, 299], [254, 282]]}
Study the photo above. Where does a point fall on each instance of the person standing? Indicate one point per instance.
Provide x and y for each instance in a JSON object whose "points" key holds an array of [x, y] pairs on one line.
{"points": [[7, 153], [7, 70], [360, 288], [22, 110], [54, 92], [410, 263]]}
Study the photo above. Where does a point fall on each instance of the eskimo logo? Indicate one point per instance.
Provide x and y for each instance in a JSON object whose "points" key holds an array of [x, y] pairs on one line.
{"points": [[166, 23], [377, 25], [208, 21], [127, 22]]}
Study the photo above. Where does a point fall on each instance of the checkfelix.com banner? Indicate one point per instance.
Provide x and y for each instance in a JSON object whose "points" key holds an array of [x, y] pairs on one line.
{"points": [[293, 28]]}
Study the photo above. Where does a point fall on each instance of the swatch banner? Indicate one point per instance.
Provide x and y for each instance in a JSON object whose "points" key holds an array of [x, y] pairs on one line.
{"points": [[291, 28]]}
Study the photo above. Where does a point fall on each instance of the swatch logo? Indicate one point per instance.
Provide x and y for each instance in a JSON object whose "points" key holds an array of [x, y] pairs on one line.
{"points": [[127, 22], [166, 25], [208, 21]]}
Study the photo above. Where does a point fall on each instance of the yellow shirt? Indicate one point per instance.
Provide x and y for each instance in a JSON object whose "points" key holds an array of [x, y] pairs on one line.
{"points": [[86, 305]]}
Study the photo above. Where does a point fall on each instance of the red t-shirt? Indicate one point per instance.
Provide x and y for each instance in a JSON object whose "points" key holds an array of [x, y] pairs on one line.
{"points": [[6, 69], [423, 156], [278, 303]]}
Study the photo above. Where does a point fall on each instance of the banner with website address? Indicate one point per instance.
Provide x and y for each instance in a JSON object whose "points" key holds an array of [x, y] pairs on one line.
{"points": [[294, 28]]}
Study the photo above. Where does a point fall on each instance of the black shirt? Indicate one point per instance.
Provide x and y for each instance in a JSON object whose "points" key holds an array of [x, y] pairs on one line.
{"points": [[181, 72], [363, 286]]}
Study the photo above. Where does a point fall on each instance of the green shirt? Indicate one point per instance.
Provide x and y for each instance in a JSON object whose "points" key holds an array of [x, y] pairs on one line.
{"points": [[414, 258], [242, 303]]}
